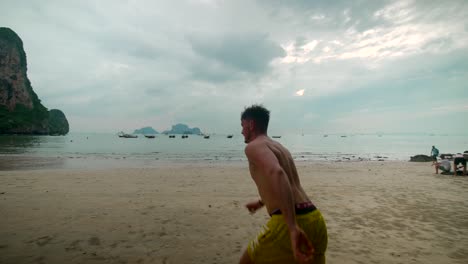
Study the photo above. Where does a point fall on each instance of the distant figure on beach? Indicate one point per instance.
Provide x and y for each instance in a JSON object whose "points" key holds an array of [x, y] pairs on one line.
{"points": [[434, 154], [443, 165], [296, 231], [460, 159]]}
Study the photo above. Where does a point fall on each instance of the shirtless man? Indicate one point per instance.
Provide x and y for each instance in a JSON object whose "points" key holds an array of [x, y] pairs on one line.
{"points": [[296, 231]]}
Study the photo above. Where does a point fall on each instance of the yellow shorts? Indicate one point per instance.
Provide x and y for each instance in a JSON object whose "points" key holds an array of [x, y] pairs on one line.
{"points": [[273, 244]]}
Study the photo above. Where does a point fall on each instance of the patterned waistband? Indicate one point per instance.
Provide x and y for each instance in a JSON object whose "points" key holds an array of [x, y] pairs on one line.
{"points": [[301, 208]]}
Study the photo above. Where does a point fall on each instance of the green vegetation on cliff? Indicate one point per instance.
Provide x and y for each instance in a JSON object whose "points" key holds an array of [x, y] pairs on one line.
{"points": [[23, 120], [58, 124]]}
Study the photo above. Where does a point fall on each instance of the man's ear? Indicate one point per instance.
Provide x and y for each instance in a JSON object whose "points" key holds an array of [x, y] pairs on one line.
{"points": [[252, 125]]}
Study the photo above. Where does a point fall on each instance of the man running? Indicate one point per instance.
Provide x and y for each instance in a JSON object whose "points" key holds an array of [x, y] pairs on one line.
{"points": [[296, 231]]}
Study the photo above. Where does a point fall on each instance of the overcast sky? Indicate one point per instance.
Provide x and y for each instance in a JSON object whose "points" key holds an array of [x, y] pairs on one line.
{"points": [[319, 66]]}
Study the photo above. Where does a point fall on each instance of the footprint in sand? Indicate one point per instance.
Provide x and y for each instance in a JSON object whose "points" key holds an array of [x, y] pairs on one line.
{"points": [[42, 241], [75, 245], [114, 245], [40, 260], [94, 241]]}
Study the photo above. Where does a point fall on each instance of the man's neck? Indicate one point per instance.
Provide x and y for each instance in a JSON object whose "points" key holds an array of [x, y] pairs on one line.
{"points": [[259, 135]]}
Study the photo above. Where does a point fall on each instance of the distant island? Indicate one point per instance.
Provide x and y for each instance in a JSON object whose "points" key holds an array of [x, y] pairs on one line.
{"points": [[21, 111], [146, 131], [182, 129]]}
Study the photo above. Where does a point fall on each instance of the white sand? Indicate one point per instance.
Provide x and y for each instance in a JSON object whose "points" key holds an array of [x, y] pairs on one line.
{"points": [[377, 212]]}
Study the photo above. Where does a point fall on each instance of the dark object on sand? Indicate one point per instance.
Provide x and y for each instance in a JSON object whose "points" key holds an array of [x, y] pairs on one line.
{"points": [[421, 158], [446, 156]]}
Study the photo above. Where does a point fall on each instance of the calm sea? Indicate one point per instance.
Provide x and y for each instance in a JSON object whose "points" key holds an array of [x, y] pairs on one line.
{"points": [[100, 147]]}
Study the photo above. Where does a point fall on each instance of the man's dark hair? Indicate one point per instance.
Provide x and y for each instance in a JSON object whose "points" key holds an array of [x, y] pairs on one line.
{"points": [[259, 114]]}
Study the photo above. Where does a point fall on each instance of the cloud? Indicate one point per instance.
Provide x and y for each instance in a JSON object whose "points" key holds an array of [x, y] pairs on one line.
{"points": [[119, 64], [248, 52], [405, 29], [300, 92]]}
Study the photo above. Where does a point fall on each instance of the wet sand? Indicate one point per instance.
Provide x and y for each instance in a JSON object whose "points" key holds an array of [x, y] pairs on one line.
{"points": [[376, 212]]}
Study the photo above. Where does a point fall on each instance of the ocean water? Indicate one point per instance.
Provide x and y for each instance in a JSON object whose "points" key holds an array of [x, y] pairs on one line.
{"points": [[219, 147]]}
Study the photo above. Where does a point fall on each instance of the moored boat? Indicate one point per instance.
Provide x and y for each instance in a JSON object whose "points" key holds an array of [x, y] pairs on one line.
{"points": [[125, 135]]}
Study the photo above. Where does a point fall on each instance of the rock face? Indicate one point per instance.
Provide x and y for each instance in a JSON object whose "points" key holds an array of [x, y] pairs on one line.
{"points": [[183, 129], [146, 131], [421, 158], [21, 111]]}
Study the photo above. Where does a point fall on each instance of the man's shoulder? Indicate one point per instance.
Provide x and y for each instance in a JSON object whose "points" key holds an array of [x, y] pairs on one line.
{"points": [[255, 144]]}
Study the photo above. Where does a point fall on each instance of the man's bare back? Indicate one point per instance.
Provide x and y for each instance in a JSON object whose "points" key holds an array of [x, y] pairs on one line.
{"points": [[285, 160]]}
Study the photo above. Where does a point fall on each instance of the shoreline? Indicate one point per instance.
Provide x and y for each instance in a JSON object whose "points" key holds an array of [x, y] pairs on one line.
{"points": [[13, 162]]}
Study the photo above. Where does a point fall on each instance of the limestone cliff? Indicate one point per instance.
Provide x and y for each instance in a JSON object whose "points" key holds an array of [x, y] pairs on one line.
{"points": [[146, 131], [21, 111], [183, 129]]}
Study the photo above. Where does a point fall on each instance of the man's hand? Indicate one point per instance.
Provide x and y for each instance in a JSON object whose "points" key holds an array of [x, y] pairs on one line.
{"points": [[254, 206], [301, 246]]}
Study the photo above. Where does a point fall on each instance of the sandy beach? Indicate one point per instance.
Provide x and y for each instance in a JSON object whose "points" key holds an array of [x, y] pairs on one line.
{"points": [[376, 212]]}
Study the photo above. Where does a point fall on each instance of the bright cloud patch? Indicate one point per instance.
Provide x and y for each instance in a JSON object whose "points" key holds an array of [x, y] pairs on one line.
{"points": [[300, 92], [406, 30], [299, 54]]}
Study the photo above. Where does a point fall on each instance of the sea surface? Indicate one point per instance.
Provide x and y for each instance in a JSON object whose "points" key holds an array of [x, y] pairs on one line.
{"points": [[81, 150]]}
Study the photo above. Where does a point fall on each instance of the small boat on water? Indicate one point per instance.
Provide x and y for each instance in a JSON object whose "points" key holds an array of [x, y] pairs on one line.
{"points": [[171, 136], [125, 135], [206, 136], [184, 136], [229, 136], [343, 136], [150, 136], [276, 137]]}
